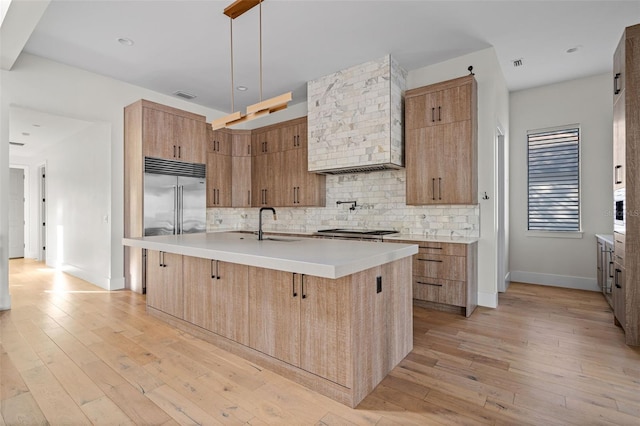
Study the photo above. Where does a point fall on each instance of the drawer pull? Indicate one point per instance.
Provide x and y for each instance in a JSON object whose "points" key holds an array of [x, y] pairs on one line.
{"points": [[430, 248], [431, 260], [435, 285]]}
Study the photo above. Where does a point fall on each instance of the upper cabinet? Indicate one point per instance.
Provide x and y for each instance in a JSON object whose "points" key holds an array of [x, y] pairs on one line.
{"points": [[279, 168], [172, 134], [441, 143], [219, 167]]}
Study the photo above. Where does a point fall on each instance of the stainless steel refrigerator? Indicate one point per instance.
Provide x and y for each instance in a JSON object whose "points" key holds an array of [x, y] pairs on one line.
{"points": [[175, 200]]}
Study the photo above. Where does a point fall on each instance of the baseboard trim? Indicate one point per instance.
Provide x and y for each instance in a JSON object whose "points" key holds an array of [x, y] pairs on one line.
{"points": [[488, 300], [89, 276], [564, 281]]}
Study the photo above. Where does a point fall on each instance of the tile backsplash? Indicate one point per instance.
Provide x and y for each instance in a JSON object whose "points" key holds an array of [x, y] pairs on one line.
{"points": [[380, 198]]}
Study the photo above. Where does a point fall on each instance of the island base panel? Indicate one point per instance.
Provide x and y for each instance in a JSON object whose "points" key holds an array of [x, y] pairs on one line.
{"points": [[381, 334]]}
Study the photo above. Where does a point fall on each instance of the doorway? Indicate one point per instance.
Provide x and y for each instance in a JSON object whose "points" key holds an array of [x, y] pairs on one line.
{"points": [[502, 216], [16, 213], [42, 218]]}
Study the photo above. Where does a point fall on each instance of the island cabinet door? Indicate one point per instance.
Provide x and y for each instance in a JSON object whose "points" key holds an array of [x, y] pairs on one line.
{"points": [[198, 290], [274, 314], [229, 310], [164, 282], [324, 328]]}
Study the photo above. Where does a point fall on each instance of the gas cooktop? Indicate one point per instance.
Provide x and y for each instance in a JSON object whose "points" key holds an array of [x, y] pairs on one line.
{"points": [[355, 232]]}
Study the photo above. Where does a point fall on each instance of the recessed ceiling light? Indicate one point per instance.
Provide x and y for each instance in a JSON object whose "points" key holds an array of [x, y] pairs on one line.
{"points": [[35, 125], [125, 41], [574, 49], [26, 134], [242, 88]]}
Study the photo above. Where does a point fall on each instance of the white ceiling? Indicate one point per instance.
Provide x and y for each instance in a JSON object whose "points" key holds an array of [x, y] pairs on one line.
{"points": [[39, 131], [184, 45]]}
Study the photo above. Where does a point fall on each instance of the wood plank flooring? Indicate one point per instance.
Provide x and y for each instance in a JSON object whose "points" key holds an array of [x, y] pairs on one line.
{"points": [[73, 354]]}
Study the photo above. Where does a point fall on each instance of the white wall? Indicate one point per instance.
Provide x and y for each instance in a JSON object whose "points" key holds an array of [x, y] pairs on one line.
{"points": [[58, 89], [564, 262], [493, 110]]}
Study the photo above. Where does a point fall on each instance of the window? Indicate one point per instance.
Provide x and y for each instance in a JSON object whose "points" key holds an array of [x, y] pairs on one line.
{"points": [[554, 179]]}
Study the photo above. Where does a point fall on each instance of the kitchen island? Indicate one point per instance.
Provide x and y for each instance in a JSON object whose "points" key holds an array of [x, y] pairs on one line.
{"points": [[335, 316]]}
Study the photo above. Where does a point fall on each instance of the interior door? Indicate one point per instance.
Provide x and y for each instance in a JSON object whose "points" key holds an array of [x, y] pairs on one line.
{"points": [[16, 213]]}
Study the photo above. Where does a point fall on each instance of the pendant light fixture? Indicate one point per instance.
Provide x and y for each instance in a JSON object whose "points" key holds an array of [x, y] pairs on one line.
{"points": [[263, 107]]}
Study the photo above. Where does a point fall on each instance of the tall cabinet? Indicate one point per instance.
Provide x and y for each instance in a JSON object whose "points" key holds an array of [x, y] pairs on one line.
{"points": [[626, 174], [441, 144], [160, 131]]}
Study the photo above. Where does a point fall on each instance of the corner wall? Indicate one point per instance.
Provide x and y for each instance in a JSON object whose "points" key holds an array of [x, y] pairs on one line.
{"points": [[563, 262]]}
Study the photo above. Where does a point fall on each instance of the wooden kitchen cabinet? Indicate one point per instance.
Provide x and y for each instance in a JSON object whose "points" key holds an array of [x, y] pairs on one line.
{"points": [[216, 297], [274, 309], [438, 107], [294, 134], [267, 177], [324, 328], [167, 133], [219, 141], [159, 131], [164, 282], [626, 143], [266, 140], [441, 143], [300, 188], [241, 169], [446, 274], [219, 180]]}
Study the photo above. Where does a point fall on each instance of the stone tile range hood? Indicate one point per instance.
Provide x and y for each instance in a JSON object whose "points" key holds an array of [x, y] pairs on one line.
{"points": [[355, 119]]}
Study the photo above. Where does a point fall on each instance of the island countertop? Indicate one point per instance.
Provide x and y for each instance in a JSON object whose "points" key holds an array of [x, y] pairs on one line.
{"points": [[312, 256]]}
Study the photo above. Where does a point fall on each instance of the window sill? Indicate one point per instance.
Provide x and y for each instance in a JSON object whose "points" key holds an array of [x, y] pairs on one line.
{"points": [[555, 234]]}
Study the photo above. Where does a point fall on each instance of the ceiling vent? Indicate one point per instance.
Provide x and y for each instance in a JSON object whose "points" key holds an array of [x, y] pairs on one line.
{"points": [[517, 62], [184, 95], [16, 143]]}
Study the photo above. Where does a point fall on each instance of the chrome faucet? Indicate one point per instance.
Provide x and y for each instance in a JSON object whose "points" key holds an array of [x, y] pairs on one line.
{"points": [[260, 220]]}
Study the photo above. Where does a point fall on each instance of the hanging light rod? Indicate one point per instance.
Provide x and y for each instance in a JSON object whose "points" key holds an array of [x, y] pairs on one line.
{"points": [[263, 107]]}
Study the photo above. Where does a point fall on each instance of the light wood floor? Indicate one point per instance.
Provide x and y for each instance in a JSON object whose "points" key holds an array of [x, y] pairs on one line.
{"points": [[73, 354]]}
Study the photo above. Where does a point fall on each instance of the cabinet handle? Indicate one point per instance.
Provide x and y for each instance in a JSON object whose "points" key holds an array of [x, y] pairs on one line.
{"points": [[431, 260], [609, 269], [160, 260], [179, 152], [248, 198], [213, 275], [617, 171], [293, 285], [174, 151], [432, 284], [294, 195], [439, 188], [433, 118], [248, 149], [616, 89], [439, 115], [430, 248], [615, 279], [433, 189], [304, 296], [217, 269], [218, 146]]}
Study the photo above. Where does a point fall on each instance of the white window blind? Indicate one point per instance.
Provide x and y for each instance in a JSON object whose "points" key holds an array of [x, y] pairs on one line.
{"points": [[554, 179]]}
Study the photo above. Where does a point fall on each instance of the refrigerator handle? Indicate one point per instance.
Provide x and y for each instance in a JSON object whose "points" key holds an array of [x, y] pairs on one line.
{"points": [[175, 210], [180, 207]]}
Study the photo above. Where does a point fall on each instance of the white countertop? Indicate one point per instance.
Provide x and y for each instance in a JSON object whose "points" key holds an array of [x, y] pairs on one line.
{"points": [[606, 237], [436, 239], [312, 256]]}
